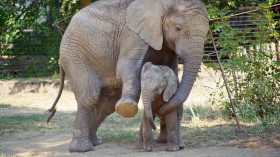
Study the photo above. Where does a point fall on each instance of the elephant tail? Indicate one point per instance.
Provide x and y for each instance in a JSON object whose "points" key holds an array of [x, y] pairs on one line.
{"points": [[52, 110]]}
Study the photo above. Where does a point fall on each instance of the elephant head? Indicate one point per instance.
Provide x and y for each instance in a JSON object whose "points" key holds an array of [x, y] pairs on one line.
{"points": [[157, 83], [182, 26]]}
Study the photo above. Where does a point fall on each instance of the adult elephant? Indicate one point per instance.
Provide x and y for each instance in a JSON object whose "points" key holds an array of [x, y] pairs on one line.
{"points": [[106, 44]]}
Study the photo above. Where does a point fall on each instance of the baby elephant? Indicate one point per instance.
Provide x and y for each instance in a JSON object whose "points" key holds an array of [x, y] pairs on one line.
{"points": [[158, 84]]}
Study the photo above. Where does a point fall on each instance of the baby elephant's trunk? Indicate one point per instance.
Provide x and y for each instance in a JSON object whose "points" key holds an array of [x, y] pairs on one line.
{"points": [[152, 110], [148, 113]]}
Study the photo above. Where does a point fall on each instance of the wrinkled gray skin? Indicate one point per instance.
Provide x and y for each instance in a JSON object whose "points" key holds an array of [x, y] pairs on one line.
{"points": [[158, 84], [105, 45]]}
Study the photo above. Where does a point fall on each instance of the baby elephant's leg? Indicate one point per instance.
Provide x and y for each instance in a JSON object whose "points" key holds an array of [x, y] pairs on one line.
{"points": [[179, 135], [139, 142], [172, 131], [162, 133], [148, 140]]}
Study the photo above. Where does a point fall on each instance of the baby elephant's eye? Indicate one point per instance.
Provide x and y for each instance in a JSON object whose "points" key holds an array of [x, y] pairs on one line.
{"points": [[178, 29], [158, 90]]}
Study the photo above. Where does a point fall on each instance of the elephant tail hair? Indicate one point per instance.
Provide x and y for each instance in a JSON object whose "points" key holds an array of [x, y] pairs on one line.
{"points": [[52, 110]]}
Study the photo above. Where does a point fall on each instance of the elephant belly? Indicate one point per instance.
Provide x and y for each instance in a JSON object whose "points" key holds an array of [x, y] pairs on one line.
{"points": [[157, 103], [111, 86]]}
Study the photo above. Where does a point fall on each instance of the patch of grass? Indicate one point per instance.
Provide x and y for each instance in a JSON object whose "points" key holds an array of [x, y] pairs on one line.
{"points": [[204, 112], [221, 132], [119, 129], [4, 105], [207, 132], [9, 124], [35, 122]]}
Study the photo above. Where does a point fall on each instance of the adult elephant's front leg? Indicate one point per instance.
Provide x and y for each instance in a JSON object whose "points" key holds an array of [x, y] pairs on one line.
{"points": [[129, 64], [171, 128]]}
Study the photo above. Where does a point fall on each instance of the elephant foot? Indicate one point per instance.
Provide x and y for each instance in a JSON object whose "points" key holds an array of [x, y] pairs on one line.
{"points": [[149, 147], [139, 145], [161, 139], [80, 145], [126, 107], [172, 147], [181, 143], [96, 141]]}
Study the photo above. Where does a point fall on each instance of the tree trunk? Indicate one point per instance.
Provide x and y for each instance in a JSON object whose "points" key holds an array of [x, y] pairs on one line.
{"points": [[84, 3]]}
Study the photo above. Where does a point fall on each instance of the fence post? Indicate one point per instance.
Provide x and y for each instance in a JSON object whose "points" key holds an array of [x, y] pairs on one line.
{"points": [[239, 130], [278, 50]]}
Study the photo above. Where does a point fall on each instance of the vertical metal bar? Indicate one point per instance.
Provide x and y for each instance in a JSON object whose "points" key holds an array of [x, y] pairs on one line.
{"points": [[238, 130]]}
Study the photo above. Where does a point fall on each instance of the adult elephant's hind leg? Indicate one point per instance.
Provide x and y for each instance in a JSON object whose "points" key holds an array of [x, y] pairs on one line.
{"points": [[86, 88], [80, 141]]}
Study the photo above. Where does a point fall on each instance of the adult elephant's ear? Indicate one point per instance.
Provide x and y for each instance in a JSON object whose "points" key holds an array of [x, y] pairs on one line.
{"points": [[144, 17]]}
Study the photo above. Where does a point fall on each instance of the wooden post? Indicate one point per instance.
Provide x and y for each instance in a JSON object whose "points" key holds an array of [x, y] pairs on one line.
{"points": [[84, 3], [239, 130], [278, 50]]}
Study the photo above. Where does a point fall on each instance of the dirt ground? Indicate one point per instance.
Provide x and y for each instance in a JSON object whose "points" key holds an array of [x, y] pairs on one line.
{"points": [[55, 142]]}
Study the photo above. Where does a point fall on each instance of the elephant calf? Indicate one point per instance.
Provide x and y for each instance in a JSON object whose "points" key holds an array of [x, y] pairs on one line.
{"points": [[158, 84]]}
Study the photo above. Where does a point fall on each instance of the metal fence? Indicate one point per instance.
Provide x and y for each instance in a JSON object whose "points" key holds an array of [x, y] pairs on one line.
{"points": [[34, 54]]}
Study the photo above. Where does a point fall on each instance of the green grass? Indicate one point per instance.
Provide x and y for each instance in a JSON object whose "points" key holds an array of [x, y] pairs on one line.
{"points": [[34, 122], [10, 124], [119, 129], [4, 105], [204, 112]]}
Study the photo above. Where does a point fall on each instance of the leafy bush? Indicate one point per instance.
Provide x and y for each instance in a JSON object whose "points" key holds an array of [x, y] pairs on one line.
{"points": [[252, 60], [28, 40]]}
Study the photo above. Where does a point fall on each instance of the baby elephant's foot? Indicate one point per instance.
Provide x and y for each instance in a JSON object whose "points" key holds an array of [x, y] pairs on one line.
{"points": [[80, 145], [126, 107], [139, 145], [96, 141], [172, 147], [149, 147]]}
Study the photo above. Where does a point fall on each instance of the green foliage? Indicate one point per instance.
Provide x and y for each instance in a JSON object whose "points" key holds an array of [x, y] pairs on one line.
{"points": [[252, 61], [28, 37]]}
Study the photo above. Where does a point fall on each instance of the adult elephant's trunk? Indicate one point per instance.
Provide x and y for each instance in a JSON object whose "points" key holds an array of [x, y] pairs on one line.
{"points": [[147, 103], [192, 62]]}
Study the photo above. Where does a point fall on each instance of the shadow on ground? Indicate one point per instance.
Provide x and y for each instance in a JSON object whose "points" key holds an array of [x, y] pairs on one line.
{"points": [[25, 133]]}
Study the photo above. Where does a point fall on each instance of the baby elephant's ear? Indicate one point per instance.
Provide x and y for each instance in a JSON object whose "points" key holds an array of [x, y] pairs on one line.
{"points": [[172, 84]]}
